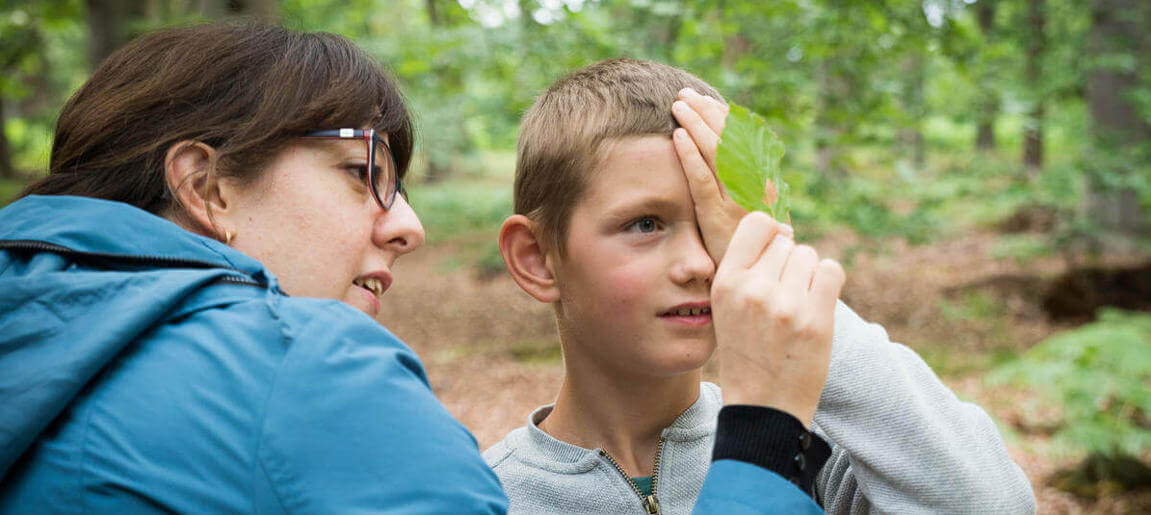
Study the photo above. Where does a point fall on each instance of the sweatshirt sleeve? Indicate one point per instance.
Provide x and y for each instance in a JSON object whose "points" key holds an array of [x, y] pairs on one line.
{"points": [[902, 442], [352, 426]]}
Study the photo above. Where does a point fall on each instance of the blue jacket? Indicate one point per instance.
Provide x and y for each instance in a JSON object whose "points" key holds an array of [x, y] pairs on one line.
{"points": [[144, 368]]}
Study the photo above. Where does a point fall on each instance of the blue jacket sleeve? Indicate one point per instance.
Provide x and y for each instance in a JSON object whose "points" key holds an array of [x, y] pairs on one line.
{"points": [[352, 426], [754, 447], [737, 487]]}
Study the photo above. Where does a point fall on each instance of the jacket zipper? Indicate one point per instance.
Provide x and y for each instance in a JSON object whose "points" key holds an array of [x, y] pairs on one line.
{"points": [[650, 502], [40, 246]]}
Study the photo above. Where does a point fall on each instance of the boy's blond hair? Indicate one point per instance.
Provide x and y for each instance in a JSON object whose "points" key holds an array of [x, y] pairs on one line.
{"points": [[563, 134]]}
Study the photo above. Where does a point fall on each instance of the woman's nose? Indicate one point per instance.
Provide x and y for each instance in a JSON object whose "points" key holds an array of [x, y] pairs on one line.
{"points": [[399, 228]]}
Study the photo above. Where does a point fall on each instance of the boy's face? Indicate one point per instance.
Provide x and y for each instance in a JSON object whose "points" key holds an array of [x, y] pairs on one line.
{"points": [[636, 275]]}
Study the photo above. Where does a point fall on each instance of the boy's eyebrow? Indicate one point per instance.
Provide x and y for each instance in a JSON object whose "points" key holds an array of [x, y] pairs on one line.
{"points": [[647, 203]]}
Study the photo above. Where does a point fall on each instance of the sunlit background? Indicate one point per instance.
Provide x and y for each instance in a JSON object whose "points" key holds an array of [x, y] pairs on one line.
{"points": [[983, 170]]}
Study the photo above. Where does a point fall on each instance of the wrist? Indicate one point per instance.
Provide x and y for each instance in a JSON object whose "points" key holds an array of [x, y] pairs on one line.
{"points": [[773, 440], [738, 397]]}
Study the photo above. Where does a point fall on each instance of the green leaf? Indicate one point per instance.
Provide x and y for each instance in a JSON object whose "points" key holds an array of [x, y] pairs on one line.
{"points": [[747, 158]]}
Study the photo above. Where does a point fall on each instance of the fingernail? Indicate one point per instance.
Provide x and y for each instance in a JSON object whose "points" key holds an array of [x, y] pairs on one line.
{"points": [[679, 105], [779, 239], [685, 92], [680, 133]]}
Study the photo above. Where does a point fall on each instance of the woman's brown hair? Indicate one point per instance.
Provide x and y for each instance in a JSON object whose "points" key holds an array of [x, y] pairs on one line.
{"points": [[245, 89]]}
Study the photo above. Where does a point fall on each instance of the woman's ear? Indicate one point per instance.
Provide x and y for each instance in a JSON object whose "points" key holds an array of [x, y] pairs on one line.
{"points": [[526, 260], [187, 170]]}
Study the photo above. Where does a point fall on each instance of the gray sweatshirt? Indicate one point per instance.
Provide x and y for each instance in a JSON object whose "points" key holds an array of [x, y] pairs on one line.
{"points": [[901, 443]]}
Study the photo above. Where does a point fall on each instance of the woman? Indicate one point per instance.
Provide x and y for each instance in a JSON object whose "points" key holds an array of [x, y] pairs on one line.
{"points": [[128, 382], [150, 357]]}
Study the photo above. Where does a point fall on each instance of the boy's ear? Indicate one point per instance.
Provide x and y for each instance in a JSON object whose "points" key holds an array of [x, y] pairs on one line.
{"points": [[526, 260], [187, 169]]}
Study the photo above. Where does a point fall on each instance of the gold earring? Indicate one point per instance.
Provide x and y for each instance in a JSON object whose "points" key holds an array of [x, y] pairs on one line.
{"points": [[228, 237]]}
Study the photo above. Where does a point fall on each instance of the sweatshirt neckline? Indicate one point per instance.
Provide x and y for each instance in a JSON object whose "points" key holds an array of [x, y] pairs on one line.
{"points": [[697, 421]]}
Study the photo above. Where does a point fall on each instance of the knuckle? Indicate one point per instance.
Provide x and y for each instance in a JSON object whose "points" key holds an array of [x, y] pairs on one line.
{"points": [[809, 332], [784, 312], [759, 303], [832, 270], [756, 219]]}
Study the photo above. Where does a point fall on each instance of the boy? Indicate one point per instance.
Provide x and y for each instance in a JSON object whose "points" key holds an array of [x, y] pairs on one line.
{"points": [[621, 226]]}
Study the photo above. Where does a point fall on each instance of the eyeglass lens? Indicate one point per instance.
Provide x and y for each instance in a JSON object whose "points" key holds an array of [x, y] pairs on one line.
{"points": [[385, 173]]}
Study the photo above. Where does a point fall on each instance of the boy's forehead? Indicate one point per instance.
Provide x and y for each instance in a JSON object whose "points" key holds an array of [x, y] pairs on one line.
{"points": [[634, 168]]}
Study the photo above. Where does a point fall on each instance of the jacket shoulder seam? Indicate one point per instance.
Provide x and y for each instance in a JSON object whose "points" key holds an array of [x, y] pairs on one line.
{"points": [[259, 458]]}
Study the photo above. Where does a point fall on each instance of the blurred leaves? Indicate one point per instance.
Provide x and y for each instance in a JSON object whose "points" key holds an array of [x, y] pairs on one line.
{"points": [[1100, 374]]}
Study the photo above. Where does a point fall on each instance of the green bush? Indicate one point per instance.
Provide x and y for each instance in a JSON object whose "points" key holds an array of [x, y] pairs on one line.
{"points": [[1100, 375]]}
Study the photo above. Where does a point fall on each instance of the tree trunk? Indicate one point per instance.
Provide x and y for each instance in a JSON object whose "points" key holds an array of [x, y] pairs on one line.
{"points": [[832, 123], [1117, 131], [7, 170], [911, 134], [433, 13], [109, 24], [988, 100], [105, 29], [1033, 125], [263, 10]]}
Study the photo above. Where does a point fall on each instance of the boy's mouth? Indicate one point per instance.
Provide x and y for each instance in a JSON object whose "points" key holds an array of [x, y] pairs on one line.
{"points": [[687, 312], [690, 309]]}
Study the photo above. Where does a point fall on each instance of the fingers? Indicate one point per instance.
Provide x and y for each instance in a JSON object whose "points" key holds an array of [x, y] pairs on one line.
{"points": [[800, 268], [775, 258], [700, 180], [712, 111], [705, 138], [825, 289], [751, 235]]}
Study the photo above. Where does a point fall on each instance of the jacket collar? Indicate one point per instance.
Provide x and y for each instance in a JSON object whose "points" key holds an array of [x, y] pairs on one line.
{"points": [[115, 229]]}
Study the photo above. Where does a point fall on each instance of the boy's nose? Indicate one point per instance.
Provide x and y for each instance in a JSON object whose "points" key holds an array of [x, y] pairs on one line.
{"points": [[693, 263]]}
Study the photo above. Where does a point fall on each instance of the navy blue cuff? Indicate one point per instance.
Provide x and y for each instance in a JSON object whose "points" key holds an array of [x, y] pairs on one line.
{"points": [[772, 439]]}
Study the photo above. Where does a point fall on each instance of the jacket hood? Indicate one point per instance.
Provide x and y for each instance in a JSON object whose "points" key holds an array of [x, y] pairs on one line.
{"points": [[80, 280], [97, 226]]}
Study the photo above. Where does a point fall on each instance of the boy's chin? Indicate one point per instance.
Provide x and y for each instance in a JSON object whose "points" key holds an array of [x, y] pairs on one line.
{"points": [[680, 360]]}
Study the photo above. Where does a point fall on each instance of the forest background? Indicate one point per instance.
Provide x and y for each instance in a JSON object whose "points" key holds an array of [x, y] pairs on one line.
{"points": [[982, 169]]}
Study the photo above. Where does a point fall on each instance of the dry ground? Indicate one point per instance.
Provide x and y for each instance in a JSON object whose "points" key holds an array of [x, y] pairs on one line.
{"points": [[492, 354]]}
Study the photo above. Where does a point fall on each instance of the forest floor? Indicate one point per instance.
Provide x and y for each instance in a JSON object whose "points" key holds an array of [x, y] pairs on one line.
{"points": [[492, 354]]}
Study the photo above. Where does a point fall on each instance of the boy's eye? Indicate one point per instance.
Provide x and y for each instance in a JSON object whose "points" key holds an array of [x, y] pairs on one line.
{"points": [[646, 224]]}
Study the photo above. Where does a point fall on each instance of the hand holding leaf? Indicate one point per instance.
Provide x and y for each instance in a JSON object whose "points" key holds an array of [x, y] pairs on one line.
{"points": [[717, 211]]}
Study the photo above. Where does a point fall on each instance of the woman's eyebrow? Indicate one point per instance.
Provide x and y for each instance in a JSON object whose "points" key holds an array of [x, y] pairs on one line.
{"points": [[340, 149]]}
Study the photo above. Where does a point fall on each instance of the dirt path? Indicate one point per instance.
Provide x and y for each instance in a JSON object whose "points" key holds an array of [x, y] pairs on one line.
{"points": [[492, 354]]}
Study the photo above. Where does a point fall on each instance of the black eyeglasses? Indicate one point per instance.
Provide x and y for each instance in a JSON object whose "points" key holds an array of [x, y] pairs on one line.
{"points": [[383, 177]]}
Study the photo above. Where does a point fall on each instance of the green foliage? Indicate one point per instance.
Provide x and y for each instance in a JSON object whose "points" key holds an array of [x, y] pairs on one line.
{"points": [[460, 208], [747, 160], [1101, 376], [469, 213], [846, 84], [1022, 248], [9, 188]]}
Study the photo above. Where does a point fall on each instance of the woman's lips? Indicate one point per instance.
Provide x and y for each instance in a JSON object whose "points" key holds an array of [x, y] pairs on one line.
{"points": [[373, 302]]}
